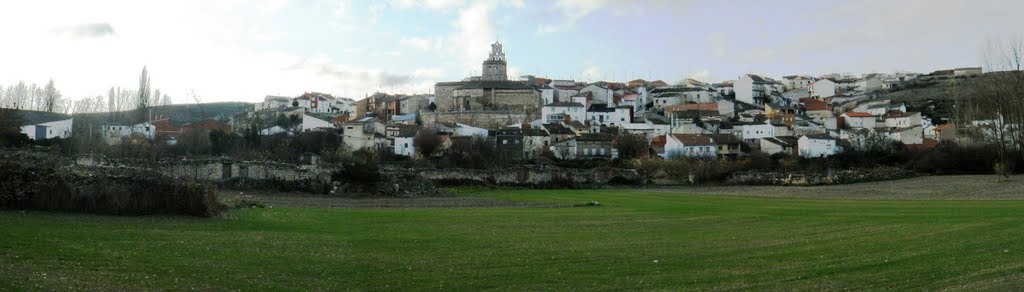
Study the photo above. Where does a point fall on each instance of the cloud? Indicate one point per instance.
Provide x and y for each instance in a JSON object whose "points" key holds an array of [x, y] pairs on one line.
{"points": [[340, 75], [592, 73], [421, 44], [574, 10], [432, 73], [86, 31]]}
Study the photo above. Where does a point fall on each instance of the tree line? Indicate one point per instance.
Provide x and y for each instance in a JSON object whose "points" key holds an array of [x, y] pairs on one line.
{"points": [[48, 98]]}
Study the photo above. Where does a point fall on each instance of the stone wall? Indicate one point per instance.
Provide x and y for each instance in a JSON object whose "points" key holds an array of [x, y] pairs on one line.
{"points": [[813, 179], [483, 119], [530, 175]]}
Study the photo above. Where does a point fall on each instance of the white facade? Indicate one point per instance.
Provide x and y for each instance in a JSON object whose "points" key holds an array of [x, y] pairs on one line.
{"points": [[601, 95], [747, 89], [757, 131], [908, 136], [310, 123], [49, 130], [114, 134], [404, 146], [273, 102], [904, 121], [547, 94], [823, 88], [817, 146], [555, 112], [869, 85], [675, 148], [861, 122]]}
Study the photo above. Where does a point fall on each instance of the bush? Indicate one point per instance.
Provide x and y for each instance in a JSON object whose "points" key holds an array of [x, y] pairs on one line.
{"points": [[103, 191]]}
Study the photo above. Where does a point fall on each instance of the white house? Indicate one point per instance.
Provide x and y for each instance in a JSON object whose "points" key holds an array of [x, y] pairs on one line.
{"points": [[273, 131], [310, 123], [690, 145], [823, 88], [859, 120], [785, 144], [902, 120], [909, 135], [796, 82], [114, 133], [817, 146], [404, 145], [45, 125], [752, 89], [869, 84], [273, 102], [757, 131], [556, 112], [547, 93], [971, 71], [601, 94], [464, 130]]}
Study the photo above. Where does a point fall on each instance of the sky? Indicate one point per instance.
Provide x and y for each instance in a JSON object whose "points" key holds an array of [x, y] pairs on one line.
{"points": [[243, 50]]}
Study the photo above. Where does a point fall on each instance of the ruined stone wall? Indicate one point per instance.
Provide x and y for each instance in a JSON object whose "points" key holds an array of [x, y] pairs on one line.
{"points": [[483, 119], [530, 175]]}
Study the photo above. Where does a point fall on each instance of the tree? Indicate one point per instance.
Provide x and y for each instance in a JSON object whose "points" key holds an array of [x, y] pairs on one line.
{"points": [[50, 97], [996, 97], [631, 146], [426, 142], [142, 103], [10, 128]]}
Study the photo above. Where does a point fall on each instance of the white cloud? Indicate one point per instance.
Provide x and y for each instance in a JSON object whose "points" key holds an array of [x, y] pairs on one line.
{"points": [[432, 73], [592, 73], [575, 10], [418, 43]]}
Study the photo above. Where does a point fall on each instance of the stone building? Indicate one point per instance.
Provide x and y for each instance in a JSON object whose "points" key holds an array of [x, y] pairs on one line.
{"points": [[492, 91]]}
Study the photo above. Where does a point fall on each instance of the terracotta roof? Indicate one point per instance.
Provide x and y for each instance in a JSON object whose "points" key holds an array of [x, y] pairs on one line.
{"points": [[858, 115], [631, 96], [816, 105], [658, 141], [693, 139], [943, 127]]}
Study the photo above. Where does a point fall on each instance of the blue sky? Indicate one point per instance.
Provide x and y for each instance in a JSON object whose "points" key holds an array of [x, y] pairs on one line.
{"points": [[243, 50]]}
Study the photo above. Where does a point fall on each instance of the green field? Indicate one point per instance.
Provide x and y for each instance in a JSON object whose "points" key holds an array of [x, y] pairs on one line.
{"points": [[634, 240]]}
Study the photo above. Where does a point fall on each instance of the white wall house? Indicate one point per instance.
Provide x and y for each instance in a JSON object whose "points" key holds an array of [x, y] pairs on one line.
{"points": [[909, 136], [817, 146], [609, 116], [310, 123], [273, 102], [41, 130], [757, 131], [870, 84], [404, 146], [601, 95], [464, 130], [547, 93], [555, 112], [689, 145], [796, 82], [859, 120], [751, 88], [903, 120], [114, 133], [823, 88]]}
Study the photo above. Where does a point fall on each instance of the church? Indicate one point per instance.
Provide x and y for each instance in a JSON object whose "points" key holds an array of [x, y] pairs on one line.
{"points": [[491, 91]]}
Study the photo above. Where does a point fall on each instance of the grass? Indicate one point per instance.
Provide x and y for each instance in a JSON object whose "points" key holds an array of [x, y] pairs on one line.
{"points": [[633, 240]]}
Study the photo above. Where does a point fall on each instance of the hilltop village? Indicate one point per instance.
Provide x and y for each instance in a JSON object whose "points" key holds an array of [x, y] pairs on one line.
{"points": [[530, 117]]}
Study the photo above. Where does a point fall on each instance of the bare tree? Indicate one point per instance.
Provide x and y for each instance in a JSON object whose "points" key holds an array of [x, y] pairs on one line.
{"points": [[998, 98], [144, 94], [50, 97]]}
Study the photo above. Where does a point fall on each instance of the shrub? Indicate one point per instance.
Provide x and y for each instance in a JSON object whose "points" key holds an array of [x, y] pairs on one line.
{"points": [[103, 191]]}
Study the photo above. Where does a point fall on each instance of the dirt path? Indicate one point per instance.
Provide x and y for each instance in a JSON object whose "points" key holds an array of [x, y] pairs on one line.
{"points": [[963, 187]]}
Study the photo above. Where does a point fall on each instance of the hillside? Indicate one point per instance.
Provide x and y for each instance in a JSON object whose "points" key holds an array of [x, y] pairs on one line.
{"points": [[179, 114]]}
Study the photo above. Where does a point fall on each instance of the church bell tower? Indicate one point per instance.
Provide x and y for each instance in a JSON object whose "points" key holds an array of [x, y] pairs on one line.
{"points": [[495, 67]]}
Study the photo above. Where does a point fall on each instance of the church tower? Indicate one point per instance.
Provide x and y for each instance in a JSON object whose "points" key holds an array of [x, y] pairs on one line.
{"points": [[494, 68]]}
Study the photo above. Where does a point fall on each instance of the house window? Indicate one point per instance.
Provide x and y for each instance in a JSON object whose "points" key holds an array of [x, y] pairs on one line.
{"points": [[504, 141], [602, 151]]}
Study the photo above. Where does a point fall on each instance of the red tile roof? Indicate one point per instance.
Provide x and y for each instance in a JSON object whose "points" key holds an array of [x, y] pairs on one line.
{"points": [[694, 139], [816, 105]]}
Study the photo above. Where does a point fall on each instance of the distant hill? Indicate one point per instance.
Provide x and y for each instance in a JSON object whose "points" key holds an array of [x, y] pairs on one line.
{"points": [[179, 114]]}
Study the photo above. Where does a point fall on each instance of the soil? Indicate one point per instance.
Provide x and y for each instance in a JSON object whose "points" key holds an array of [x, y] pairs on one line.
{"points": [[954, 187]]}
